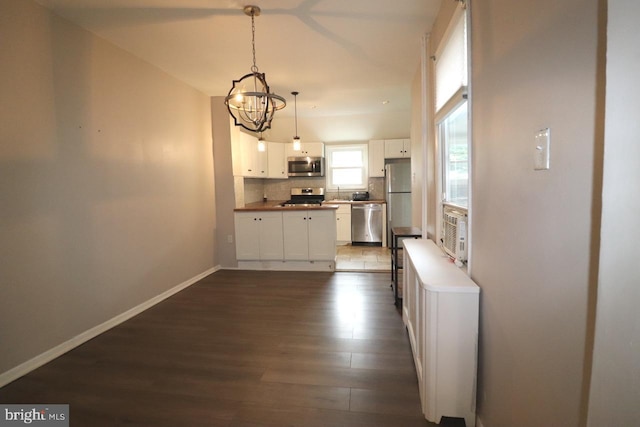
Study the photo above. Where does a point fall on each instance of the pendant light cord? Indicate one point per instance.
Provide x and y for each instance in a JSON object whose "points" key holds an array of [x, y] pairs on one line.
{"points": [[295, 107]]}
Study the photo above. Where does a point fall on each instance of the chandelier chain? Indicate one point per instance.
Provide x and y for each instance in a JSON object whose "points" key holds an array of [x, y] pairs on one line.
{"points": [[254, 68]]}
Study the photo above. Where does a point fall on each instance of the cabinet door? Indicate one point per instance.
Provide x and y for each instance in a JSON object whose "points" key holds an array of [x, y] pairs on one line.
{"points": [[322, 235], [262, 163], [271, 238], [376, 158], [406, 147], [247, 232], [393, 148], [313, 149], [277, 165], [296, 235], [343, 227], [307, 149], [249, 153]]}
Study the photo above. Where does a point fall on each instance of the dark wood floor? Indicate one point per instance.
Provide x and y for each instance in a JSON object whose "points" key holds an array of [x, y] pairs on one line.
{"points": [[245, 349]]}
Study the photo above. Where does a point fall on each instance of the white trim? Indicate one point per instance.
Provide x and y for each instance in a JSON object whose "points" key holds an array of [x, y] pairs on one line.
{"points": [[43, 358], [425, 126]]}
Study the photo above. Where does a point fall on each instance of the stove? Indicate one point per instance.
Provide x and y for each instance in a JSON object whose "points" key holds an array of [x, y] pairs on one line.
{"points": [[302, 197]]}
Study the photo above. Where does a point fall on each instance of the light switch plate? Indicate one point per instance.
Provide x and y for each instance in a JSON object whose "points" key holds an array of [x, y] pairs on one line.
{"points": [[543, 142]]}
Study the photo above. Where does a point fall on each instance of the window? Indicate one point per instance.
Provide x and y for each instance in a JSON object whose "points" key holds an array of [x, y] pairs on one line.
{"points": [[455, 157], [452, 118], [347, 167], [452, 129]]}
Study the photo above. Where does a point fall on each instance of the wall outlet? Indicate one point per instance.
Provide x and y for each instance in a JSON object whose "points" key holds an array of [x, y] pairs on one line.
{"points": [[229, 238]]}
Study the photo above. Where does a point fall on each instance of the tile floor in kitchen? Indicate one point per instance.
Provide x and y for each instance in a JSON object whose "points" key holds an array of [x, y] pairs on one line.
{"points": [[363, 258]]}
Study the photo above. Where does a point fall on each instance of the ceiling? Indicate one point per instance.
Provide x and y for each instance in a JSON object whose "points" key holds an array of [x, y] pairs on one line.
{"points": [[345, 57]]}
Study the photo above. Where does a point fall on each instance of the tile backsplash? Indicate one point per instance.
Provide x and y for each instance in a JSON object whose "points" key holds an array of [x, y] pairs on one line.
{"points": [[280, 189]]}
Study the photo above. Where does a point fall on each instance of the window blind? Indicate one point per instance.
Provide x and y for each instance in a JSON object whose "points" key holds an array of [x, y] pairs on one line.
{"points": [[451, 60]]}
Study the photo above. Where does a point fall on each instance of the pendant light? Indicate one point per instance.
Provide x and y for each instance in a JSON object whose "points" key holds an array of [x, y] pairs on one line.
{"points": [[250, 102], [296, 139], [261, 145]]}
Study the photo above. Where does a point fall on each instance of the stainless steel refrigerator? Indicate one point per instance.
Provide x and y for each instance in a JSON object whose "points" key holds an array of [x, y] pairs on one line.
{"points": [[397, 191]]}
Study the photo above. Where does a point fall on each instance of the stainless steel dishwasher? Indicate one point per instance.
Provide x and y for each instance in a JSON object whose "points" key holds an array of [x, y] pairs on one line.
{"points": [[366, 224]]}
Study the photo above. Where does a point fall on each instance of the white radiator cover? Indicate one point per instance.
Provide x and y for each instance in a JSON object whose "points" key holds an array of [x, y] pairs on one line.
{"points": [[440, 307]]}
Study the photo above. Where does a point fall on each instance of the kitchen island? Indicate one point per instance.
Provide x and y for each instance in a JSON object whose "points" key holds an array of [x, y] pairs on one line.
{"points": [[270, 236]]}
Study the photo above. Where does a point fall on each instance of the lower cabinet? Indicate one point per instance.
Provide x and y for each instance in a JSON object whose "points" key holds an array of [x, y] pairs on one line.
{"points": [[259, 236], [309, 235], [343, 223], [296, 235]]}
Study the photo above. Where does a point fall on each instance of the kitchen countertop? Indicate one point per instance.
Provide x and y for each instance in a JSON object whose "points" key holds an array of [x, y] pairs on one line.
{"points": [[275, 205], [355, 202]]}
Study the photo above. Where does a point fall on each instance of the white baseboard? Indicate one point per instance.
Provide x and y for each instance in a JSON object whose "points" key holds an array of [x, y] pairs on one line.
{"points": [[34, 363], [288, 265]]}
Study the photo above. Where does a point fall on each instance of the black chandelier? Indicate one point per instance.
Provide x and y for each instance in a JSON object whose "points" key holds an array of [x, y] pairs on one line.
{"points": [[250, 102]]}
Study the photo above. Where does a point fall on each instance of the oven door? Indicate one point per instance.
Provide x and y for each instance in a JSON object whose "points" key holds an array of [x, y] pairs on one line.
{"points": [[305, 166]]}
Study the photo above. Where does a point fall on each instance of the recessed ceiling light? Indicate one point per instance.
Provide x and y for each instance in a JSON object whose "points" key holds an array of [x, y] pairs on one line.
{"points": [[385, 102]]}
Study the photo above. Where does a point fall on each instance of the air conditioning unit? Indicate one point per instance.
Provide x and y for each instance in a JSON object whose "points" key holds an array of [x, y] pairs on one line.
{"points": [[454, 233]]}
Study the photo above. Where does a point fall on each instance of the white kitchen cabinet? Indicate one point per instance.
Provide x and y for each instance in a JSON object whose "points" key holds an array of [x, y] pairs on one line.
{"points": [[376, 158], [397, 148], [309, 235], [343, 223], [307, 149], [276, 160], [440, 308], [322, 235], [259, 235], [253, 163]]}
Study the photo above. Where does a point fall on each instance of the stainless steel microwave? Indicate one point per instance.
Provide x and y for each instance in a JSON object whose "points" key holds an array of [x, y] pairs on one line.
{"points": [[305, 166]]}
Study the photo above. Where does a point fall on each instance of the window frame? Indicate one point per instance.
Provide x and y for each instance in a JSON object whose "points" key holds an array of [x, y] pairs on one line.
{"points": [[451, 107], [364, 151]]}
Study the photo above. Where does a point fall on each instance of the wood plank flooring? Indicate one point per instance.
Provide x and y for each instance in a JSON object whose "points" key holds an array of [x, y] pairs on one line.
{"points": [[241, 349]]}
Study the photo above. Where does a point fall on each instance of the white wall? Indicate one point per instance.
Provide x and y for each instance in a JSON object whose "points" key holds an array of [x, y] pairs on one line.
{"points": [[106, 182], [615, 384], [534, 65]]}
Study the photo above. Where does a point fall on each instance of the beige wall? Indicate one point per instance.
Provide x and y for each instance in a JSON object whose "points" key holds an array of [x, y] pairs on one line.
{"points": [[534, 65], [225, 183], [615, 385], [106, 182]]}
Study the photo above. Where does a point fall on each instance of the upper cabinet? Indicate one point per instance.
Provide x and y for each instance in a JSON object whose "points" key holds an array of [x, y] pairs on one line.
{"points": [[307, 149], [277, 161], [251, 163], [397, 148], [376, 158]]}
